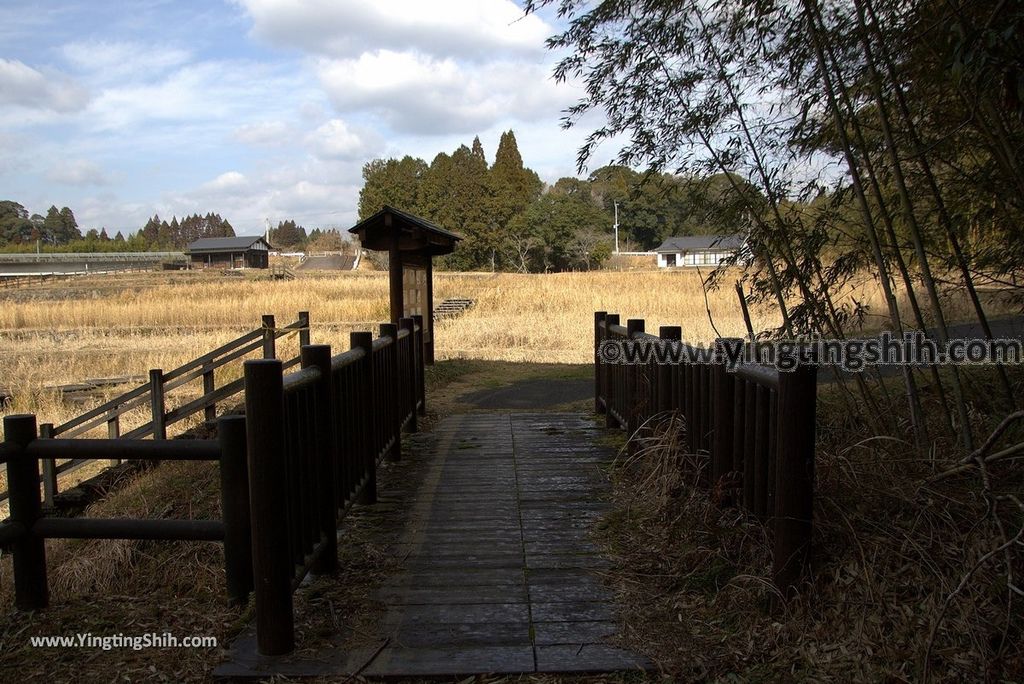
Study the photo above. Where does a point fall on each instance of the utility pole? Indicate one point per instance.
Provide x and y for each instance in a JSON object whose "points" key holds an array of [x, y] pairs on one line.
{"points": [[616, 226]]}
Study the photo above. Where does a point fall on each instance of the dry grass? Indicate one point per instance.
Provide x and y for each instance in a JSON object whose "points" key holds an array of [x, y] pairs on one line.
{"points": [[882, 603]]}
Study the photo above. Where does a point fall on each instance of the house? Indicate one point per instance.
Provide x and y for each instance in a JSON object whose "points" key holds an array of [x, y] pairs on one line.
{"points": [[697, 250], [249, 251]]}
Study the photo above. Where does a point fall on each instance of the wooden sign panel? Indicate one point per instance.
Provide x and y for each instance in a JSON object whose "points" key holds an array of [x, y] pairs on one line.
{"points": [[414, 296]]}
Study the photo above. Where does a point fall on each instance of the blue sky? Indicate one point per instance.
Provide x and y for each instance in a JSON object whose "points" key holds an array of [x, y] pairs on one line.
{"points": [[261, 108]]}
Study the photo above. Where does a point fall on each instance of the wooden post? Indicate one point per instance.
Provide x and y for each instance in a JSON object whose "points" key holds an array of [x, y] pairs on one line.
{"points": [[608, 387], [393, 413], [599, 317], [114, 432], [209, 412], [761, 452], [794, 475], [319, 356], [269, 337], [428, 344], [722, 423], [421, 358], [749, 444], [739, 387], [633, 327], [413, 363], [235, 508], [368, 494], [156, 403], [29, 550], [670, 333], [49, 469], [268, 477], [304, 336]]}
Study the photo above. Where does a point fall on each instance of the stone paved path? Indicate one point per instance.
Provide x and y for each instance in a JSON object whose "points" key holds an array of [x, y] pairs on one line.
{"points": [[499, 572]]}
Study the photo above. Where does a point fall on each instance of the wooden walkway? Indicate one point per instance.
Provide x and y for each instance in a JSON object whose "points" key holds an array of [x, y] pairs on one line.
{"points": [[499, 571], [499, 574]]}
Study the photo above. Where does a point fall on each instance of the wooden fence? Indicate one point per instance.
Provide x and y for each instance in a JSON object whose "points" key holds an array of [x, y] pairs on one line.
{"points": [[290, 469], [153, 395], [752, 428]]}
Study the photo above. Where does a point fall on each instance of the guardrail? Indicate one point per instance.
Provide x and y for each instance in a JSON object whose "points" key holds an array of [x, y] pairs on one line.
{"points": [[306, 451], [58, 257], [153, 395], [752, 429]]}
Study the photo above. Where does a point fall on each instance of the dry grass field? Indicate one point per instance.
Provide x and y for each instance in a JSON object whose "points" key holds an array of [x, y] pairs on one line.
{"points": [[125, 324]]}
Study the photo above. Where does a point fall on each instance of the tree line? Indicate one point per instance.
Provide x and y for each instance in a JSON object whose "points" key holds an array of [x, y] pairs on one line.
{"points": [[511, 220]]}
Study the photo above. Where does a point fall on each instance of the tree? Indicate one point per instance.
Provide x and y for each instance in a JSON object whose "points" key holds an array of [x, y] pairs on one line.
{"points": [[15, 224], [512, 186], [288, 234], [547, 235], [69, 226], [393, 182]]}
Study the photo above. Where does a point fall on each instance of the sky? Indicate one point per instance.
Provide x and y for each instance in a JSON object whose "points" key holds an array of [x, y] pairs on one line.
{"points": [[259, 109]]}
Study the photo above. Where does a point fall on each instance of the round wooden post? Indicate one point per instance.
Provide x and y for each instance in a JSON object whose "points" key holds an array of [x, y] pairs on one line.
{"points": [[269, 337], [235, 507], [607, 384], [319, 356], [394, 391], [29, 551], [412, 365], [367, 472], [599, 335], [634, 326], [421, 354], [722, 421], [268, 477], [157, 405], [794, 473]]}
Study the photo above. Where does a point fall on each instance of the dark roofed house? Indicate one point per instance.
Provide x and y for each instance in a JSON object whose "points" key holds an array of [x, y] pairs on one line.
{"points": [[247, 251], [697, 250]]}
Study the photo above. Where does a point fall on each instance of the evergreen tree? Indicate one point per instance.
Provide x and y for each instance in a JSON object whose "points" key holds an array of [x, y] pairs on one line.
{"points": [[512, 187], [69, 227], [15, 224], [393, 182], [151, 231], [288, 234], [53, 226]]}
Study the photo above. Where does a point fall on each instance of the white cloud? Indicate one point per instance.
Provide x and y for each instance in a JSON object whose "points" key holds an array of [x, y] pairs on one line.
{"points": [[264, 133], [22, 85], [336, 140], [231, 181], [476, 29], [120, 61], [79, 172], [422, 95], [209, 92]]}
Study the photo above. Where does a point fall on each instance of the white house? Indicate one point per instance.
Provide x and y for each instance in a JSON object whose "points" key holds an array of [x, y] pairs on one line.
{"points": [[697, 250]]}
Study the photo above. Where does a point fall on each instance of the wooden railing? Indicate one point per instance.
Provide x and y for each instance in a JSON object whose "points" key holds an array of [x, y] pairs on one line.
{"points": [[305, 452], [153, 396], [315, 438], [27, 528], [752, 428]]}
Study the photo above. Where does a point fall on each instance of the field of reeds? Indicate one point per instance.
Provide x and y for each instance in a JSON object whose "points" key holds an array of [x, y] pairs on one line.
{"points": [[125, 324]]}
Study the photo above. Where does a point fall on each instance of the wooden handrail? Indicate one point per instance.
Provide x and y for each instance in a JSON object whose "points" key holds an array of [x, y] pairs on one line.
{"points": [[153, 394]]}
